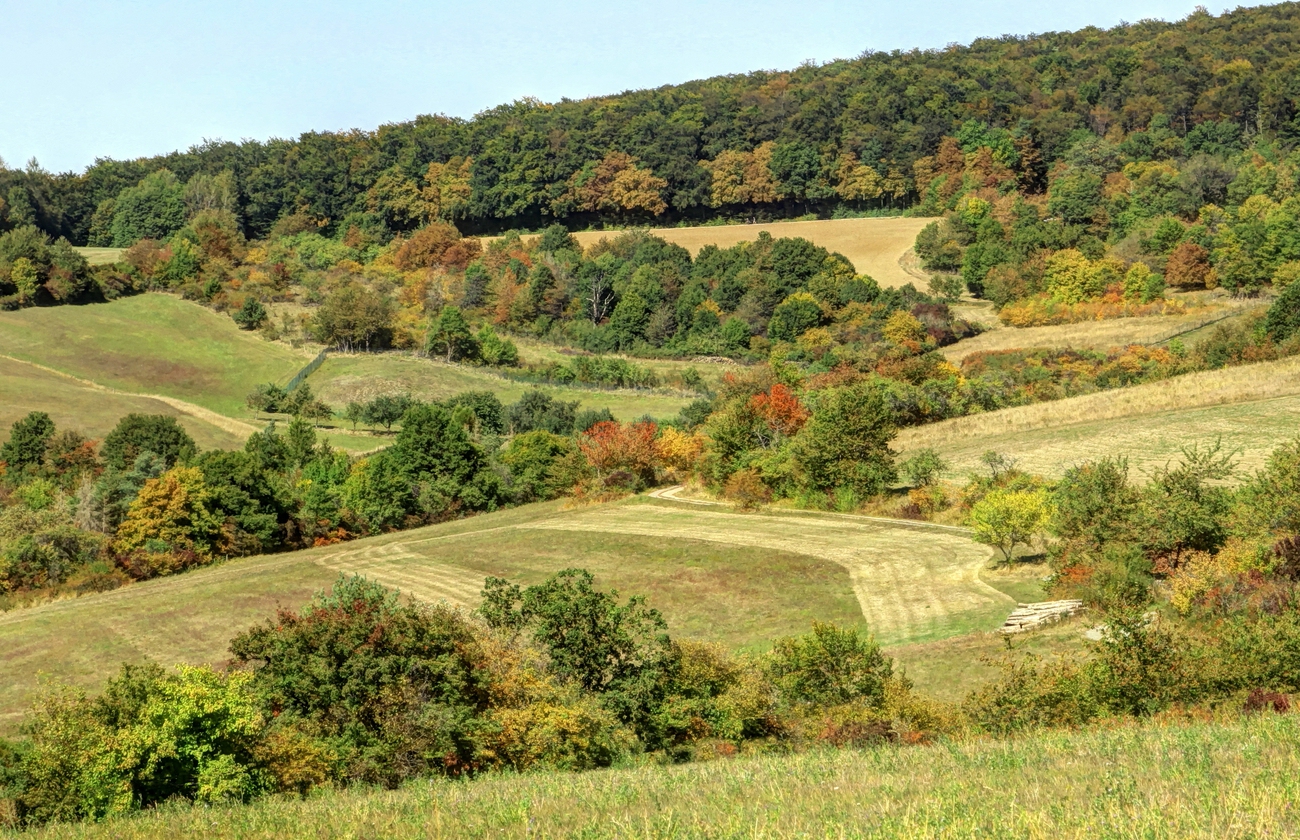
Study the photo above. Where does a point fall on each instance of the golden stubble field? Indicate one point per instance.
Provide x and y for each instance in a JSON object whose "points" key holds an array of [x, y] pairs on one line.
{"points": [[1250, 409], [874, 246]]}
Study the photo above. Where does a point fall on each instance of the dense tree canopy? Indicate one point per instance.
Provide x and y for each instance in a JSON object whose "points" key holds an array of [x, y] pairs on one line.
{"points": [[863, 131]]}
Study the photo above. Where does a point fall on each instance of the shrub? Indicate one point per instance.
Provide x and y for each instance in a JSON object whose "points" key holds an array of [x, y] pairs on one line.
{"points": [[747, 490], [136, 434], [829, 666], [1005, 519]]}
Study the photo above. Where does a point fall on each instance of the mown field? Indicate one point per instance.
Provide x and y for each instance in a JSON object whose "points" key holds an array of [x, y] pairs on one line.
{"points": [[1190, 780], [740, 579], [1251, 408], [101, 256], [1093, 335], [874, 246]]}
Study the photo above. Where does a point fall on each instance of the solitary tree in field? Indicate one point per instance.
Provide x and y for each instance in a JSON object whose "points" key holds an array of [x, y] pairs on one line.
{"points": [[1005, 519]]}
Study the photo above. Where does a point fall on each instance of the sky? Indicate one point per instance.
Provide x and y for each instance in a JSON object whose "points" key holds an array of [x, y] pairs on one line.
{"points": [[128, 79]]}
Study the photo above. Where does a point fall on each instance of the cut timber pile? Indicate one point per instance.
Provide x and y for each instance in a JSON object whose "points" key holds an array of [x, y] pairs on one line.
{"points": [[1031, 616]]}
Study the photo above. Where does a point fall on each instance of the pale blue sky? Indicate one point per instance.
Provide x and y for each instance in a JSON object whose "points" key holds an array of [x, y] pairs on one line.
{"points": [[132, 78]]}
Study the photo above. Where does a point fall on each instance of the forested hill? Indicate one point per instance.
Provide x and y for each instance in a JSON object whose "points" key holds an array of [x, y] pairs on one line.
{"points": [[853, 134]]}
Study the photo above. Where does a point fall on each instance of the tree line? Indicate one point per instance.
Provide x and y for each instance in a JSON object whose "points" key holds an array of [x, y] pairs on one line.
{"points": [[847, 134]]}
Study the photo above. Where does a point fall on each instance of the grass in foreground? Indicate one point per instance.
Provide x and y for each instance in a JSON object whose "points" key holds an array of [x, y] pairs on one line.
{"points": [[1199, 780]]}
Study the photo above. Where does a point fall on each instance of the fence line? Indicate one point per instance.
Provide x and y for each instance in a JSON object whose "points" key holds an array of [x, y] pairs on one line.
{"points": [[306, 371]]}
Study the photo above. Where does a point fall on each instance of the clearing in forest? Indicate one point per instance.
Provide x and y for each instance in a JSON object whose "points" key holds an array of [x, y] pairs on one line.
{"points": [[874, 246], [742, 580]]}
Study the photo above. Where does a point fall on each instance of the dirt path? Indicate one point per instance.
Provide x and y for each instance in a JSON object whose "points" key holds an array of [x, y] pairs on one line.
{"points": [[227, 424]]}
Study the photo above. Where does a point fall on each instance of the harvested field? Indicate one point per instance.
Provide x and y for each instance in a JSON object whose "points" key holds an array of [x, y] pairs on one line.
{"points": [[1252, 408], [1089, 335], [743, 580], [909, 582], [101, 256], [874, 246]]}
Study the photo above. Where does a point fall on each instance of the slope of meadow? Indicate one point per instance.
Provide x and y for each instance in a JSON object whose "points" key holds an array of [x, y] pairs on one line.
{"points": [[1251, 408], [742, 580], [1190, 780], [152, 344], [93, 411]]}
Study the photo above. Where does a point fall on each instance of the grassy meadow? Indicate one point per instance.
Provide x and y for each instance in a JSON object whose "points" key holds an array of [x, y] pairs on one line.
{"points": [[740, 579], [1239, 779], [152, 344], [94, 411], [1251, 408]]}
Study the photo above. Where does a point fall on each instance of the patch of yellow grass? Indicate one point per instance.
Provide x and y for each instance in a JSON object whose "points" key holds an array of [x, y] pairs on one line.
{"points": [[1251, 407], [874, 246], [1087, 335]]}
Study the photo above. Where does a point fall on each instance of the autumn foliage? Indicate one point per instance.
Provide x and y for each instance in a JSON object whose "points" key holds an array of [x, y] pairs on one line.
{"points": [[780, 409], [612, 447]]}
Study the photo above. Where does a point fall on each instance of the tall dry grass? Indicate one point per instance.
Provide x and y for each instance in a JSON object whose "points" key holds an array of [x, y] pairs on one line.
{"points": [[1204, 780]]}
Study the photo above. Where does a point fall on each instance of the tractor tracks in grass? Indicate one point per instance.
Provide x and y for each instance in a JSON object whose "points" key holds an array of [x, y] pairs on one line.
{"points": [[911, 579]]}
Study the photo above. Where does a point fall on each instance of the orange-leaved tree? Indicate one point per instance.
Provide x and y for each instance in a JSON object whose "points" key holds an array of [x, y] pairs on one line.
{"points": [[780, 410], [611, 447]]}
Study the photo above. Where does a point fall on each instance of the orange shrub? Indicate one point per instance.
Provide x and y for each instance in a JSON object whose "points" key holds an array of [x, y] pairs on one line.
{"points": [[611, 447]]}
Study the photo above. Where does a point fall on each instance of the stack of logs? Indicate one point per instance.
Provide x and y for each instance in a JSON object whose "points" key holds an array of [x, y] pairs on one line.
{"points": [[1032, 616]]}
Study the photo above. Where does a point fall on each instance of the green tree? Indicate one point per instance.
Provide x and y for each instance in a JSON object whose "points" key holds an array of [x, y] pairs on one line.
{"points": [[150, 737], [28, 439], [794, 316], [1005, 519], [923, 468], [394, 690], [449, 336], [830, 666], [138, 433], [531, 457], [845, 444], [1283, 319], [152, 209], [495, 350], [354, 318], [617, 649], [251, 315]]}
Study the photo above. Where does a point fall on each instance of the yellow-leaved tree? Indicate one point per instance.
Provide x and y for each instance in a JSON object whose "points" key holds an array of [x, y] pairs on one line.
{"points": [[171, 514]]}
